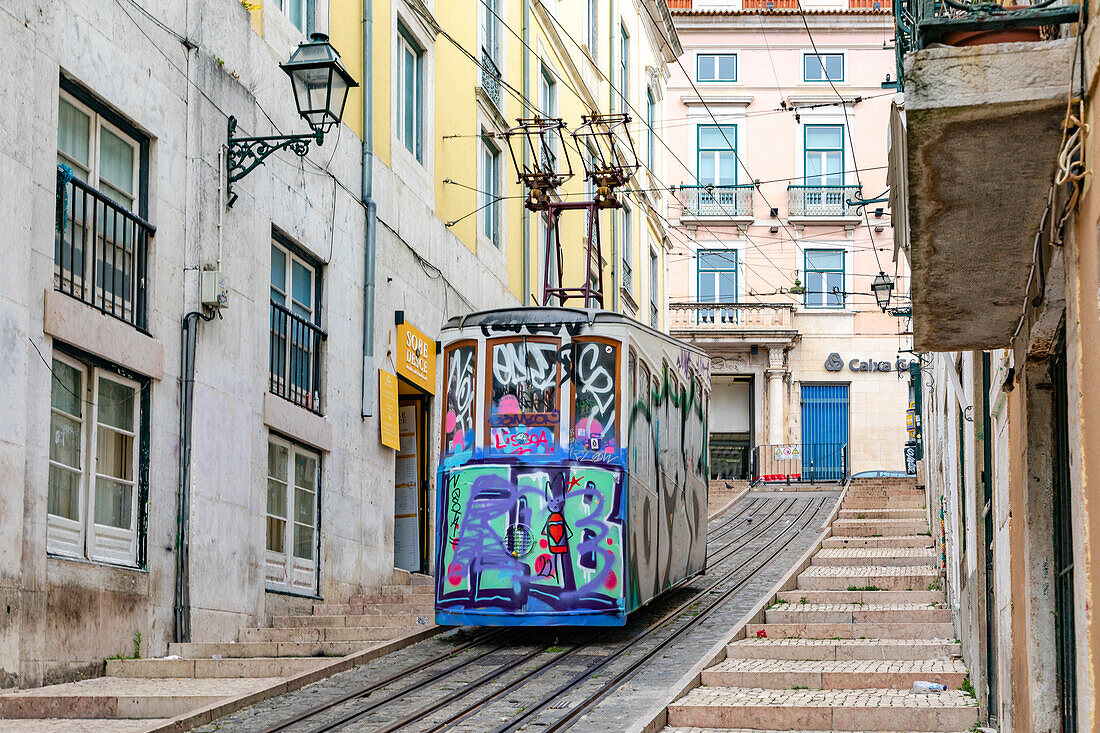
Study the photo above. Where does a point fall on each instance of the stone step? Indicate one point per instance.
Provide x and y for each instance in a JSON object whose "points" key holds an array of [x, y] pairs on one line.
{"points": [[855, 613], [847, 577], [917, 540], [418, 606], [872, 501], [367, 619], [881, 556], [124, 697], [885, 513], [785, 674], [391, 598], [87, 725], [408, 590], [321, 633], [240, 650], [842, 649], [232, 667], [886, 630], [863, 596], [841, 710], [878, 527]]}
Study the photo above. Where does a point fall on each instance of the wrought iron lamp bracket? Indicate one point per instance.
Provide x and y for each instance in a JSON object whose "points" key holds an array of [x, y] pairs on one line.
{"points": [[244, 154], [860, 203]]}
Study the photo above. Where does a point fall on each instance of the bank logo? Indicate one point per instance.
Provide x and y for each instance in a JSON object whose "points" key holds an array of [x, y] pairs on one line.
{"points": [[834, 363]]}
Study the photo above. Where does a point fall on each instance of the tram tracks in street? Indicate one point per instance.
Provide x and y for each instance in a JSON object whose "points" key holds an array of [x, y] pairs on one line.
{"points": [[510, 670]]}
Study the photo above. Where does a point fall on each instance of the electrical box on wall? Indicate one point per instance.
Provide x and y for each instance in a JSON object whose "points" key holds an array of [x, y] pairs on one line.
{"points": [[214, 289]]}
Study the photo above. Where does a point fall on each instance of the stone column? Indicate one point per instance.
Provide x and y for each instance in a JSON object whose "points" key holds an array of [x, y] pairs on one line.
{"points": [[776, 413]]}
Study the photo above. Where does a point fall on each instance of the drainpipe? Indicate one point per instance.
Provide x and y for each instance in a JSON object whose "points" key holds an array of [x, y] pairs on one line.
{"points": [[372, 211], [182, 605], [525, 215]]}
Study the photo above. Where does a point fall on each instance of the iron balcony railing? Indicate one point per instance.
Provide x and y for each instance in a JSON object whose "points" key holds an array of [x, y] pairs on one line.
{"points": [[823, 200], [800, 463], [100, 251], [725, 316], [490, 77], [716, 202], [296, 358]]}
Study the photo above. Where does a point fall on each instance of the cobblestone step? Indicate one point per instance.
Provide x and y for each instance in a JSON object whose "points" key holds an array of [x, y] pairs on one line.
{"points": [[885, 501], [321, 633], [884, 630], [881, 556], [855, 613], [841, 710], [915, 540], [245, 649], [843, 649], [233, 667], [863, 596], [787, 674], [123, 697], [878, 527], [369, 619], [820, 577], [891, 512]]}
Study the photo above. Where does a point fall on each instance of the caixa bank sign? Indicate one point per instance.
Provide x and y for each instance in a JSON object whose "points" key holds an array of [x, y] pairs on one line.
{"points": [[835, 363]]}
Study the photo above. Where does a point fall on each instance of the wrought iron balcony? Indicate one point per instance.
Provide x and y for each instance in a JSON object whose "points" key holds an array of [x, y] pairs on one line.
{"points": [[822, 201], [296, 358], [716, 202], [490, 77], [694, 316], [100, 251]]}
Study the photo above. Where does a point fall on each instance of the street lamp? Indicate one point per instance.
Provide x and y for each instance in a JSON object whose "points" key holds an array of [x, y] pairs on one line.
{"points": [[321, 84], [882, 287]]}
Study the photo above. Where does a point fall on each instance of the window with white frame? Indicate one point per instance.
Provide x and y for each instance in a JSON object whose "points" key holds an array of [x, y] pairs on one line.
{"points": [[716, 67], [823, 67], [650, 132], [824, 155], [626, 245], [593, 17], [624, 67], [293, 486], [490, 190], [654, 281], [717, 155], [824, 278], [717, 276], [548, 100], [295, 327], [93, 490], [410, 93], [302, 13]]}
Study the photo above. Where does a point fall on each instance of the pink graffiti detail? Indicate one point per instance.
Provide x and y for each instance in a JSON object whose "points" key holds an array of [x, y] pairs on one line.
{"points": [[454, 573], [544, 566], [508, 404], [611, 581], [531, 441], [542, 544], [450, 421], [610, 541], [589, 426]]}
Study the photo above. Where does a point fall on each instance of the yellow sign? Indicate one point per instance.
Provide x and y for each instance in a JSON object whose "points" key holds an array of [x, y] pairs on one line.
{"points": [[416, 357], [387, 409]]}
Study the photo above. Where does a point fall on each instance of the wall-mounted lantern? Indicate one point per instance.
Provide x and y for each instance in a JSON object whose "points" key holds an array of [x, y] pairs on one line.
{"points": [[882, 287], [321, 85]]}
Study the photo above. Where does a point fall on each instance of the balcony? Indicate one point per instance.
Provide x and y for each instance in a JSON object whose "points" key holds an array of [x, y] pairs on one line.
{"points": [[100, 251], [983, 130], [758, 323], [490, 78], [822, 202], [716, 202], [295, 358]]}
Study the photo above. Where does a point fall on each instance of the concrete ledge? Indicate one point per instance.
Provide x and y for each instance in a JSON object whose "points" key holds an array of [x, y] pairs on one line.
{"points": [[655, 717], [203, 715], [69, 320], [297, 422], [728, 504]]}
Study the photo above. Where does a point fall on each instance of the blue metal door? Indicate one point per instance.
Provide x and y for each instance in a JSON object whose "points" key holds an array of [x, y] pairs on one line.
{"points": [[824, 431]]}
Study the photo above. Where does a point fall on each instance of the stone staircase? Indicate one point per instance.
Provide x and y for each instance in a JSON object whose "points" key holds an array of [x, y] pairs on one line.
{"points": [[197, 674], [842, 650]]}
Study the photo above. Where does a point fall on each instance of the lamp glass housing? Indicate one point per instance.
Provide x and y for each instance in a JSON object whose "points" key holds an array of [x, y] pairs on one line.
{"points": [[882, 287], [320, 83]]}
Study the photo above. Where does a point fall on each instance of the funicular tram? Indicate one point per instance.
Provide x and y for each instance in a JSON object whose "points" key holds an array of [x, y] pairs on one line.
{"points": [[572, 484]]}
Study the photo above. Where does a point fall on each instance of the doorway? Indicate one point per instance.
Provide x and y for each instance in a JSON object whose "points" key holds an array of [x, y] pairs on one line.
{"points": [[1065, 635], [410, 502], [824, 431]]}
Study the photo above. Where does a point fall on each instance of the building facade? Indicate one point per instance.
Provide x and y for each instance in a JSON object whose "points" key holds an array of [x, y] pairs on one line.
{"points": [[192, 441], [1001, 232], [776, 127]]}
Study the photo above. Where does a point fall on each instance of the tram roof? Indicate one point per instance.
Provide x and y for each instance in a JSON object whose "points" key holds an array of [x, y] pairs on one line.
{"points": [[550, 315]]}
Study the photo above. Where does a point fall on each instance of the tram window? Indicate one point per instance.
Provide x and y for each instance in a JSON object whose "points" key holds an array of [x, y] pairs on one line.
{"points": [[595, 390], [460, 375], [523, 396]]}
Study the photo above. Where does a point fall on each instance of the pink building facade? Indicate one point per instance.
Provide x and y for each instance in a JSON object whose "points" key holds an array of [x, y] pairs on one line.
{"points": [[776, 131]]}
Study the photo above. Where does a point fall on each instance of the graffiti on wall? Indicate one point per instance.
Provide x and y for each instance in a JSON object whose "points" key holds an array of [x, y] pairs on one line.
{"points": [[523, 408], [531, 538], [592, 371]]}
